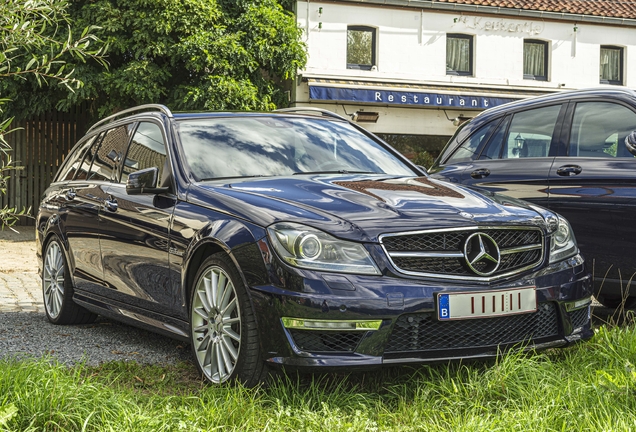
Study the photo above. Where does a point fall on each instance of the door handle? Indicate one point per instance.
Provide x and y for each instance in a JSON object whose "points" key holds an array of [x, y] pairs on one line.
{"points": [[71, 194], [480, 173], [110, 204], [569, 170]]}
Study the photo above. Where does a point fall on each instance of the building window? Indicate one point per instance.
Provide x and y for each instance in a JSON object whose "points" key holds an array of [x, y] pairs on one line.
{"points": [[459, 54], [360, 47], [611, 71], [535, 60]]}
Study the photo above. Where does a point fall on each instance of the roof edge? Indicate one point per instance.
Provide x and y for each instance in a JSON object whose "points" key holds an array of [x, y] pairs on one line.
{"points": [[526, 13]]}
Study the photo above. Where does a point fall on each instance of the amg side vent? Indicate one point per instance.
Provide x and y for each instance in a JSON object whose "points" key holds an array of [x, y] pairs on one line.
{"points": [[478, 254]]}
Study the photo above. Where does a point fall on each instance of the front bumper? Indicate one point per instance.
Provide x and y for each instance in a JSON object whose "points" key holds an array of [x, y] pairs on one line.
{"points": [[409, 331]]}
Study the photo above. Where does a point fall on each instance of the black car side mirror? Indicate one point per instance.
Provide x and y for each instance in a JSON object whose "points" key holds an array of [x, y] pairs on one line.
{"points": [[630, 143], [144, 182]]}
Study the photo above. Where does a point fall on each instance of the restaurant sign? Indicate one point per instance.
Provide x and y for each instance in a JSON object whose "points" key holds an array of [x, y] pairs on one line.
{"points": [[392, 97]]}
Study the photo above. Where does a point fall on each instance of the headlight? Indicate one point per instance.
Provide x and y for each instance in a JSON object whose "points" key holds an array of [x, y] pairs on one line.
{"points": [[562, 243], [305, 247]]}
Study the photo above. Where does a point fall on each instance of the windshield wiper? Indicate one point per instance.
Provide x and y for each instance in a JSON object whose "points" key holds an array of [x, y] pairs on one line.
{"points": [[233, 177], [337, 172]]}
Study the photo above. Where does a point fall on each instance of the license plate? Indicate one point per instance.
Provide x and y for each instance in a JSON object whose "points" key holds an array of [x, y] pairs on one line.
{"points": [[466, 305]]}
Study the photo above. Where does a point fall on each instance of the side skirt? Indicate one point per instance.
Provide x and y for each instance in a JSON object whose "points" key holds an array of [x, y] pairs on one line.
{"points": [[154, 322]]}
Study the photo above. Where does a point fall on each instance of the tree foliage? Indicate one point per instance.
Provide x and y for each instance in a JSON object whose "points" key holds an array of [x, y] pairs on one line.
{"points": [[187, 54], [35, 42]]}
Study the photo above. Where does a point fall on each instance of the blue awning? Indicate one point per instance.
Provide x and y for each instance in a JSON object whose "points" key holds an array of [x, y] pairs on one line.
{"points": [[426, 97]]}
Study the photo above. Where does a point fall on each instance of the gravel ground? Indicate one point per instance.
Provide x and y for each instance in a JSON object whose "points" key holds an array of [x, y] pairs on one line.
{"points": [[30, 333], [105, 340]]}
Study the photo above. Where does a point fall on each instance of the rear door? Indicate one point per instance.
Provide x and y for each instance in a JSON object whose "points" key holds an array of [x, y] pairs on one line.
{"points": [[518, 157], [594, 185], [79, 199]]}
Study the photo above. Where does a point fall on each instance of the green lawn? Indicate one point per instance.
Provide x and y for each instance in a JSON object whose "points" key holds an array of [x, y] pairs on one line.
{"points": [[591, 386]]}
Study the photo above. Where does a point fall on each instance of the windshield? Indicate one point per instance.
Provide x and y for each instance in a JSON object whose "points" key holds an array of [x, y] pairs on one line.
{"points": [[267, 146]]}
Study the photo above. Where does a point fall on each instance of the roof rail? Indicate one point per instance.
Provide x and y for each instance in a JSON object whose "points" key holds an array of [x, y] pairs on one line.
{"points": [[162, 108], [324, 112]]}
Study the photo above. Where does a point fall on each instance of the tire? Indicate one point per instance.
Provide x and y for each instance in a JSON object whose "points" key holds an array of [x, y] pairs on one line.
{"points": [[223, 332], [57, 289]]}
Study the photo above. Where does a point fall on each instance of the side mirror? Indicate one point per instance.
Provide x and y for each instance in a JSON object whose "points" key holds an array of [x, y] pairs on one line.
{"points": [[630, 143], [144, 182]]}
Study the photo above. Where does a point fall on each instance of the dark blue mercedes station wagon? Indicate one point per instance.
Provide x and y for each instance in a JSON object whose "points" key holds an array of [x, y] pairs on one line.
{"points": [[297, 239]]}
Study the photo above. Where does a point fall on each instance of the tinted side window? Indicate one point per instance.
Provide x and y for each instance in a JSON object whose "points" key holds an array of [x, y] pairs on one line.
{"points": [[110, 152], [73, 162], [147, 150], [529, 135], [599, 130], [468, 151]]}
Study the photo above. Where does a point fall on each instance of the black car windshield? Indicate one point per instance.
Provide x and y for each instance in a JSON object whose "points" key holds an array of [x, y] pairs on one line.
{"points": [[226, 147]]}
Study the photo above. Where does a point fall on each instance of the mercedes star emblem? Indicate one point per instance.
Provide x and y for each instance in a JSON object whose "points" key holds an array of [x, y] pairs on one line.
{"points": [[482, 254]]}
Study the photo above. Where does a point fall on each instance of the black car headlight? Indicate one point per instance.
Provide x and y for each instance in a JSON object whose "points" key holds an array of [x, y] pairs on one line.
{"points": [[306, 247], [562, 242]]}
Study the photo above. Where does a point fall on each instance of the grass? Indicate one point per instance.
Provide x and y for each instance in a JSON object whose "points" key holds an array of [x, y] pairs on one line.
{"points": [[591, 386]]}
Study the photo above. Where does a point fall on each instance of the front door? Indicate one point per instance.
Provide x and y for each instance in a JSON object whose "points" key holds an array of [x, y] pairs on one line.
{"points": [[135, 230]]}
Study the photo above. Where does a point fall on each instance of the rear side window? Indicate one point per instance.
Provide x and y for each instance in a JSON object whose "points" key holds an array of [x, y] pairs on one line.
{"points": [[109, 153], [529, 135], [74, 161], [469, 150], [599, 129]]}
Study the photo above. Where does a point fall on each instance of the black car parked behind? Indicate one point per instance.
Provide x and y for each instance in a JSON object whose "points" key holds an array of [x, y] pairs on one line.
{"points": [[567, 152]]}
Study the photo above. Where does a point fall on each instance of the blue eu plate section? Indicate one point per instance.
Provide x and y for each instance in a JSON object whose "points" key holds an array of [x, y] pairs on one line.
{"points": [[443, 309]]}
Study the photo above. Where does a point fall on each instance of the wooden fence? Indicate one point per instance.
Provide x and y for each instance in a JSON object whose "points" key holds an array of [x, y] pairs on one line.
{"points": [[39, 146]]}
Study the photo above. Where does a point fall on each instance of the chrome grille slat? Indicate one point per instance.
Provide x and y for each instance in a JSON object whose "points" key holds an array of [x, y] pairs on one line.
{"points": [[440, 254]]}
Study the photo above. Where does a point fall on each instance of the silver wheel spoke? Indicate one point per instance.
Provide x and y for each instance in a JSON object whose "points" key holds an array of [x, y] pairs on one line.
{"points": [[226, 358], [227, 292], [204, 301], [229, 321], [229, 347], [210, 289], [229, 308], [200, 329], [231, 333], [219, 362], [201, 313], [222, 284]]}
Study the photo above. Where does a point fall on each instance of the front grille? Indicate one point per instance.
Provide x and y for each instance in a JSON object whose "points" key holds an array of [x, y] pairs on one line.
{"points": [[328, 341], [422, 332], [444, 254], [580, 317]]}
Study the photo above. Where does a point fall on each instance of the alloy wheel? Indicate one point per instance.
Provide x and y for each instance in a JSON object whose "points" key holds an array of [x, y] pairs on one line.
{"points": [[216, 324], [53, 280]]}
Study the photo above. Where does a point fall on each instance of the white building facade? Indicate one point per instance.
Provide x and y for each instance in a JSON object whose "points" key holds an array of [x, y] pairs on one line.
{"points": [[410, 67]]}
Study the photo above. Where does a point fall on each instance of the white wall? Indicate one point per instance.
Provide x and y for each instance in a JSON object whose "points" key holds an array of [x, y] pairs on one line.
{"points": [[404, 55]]}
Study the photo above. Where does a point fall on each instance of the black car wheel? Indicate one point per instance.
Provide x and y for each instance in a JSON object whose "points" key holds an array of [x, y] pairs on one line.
{"points": [[57, 289], [223, 328]]}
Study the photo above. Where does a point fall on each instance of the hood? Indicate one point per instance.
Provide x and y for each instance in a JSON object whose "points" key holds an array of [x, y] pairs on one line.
{"points": [[362, 207]]}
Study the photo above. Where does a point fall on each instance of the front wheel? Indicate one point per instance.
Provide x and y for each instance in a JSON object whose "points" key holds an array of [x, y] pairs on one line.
{"points": [[57, 289], [223, 328]]}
